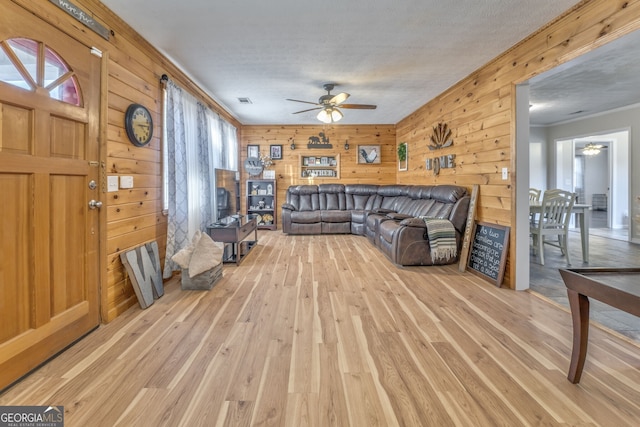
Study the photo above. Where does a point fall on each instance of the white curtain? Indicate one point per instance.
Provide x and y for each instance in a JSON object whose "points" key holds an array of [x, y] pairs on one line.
{"points": [[224, 140], [196, 142]]}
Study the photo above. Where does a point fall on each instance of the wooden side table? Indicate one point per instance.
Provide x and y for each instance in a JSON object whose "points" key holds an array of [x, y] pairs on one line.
{"points": [[235, 234]]}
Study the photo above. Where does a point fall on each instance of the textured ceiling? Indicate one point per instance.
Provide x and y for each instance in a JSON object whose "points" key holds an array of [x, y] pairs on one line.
{"points": [[601, 80], [398, 54]]}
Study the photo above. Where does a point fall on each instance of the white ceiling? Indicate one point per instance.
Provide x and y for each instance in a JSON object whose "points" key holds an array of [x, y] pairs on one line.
{"points": [[601, 80], [398, 54]]}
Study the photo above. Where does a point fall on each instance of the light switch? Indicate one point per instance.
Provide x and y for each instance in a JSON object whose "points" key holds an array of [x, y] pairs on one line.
{"points": [[126, 182], [112, 183], [505, 173]]}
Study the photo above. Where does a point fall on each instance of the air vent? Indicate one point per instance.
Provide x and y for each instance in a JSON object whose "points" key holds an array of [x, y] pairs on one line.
{"points": [[244, 101]]}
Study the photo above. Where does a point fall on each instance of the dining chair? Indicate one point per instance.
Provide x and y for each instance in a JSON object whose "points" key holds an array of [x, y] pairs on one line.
{"points": [[534, 194], [553, 220]]}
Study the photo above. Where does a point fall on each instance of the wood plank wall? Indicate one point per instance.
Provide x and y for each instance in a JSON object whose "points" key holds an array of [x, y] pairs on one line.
{"points": [[288, 171], [132, 69], [480, 109]]}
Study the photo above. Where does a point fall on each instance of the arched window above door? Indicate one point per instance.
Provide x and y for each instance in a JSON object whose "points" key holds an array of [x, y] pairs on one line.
{"points": [[31, 65]]}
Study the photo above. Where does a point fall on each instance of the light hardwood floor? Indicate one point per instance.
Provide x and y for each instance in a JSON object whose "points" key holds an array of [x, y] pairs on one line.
{"points": [[604, 252], [323, 330]]}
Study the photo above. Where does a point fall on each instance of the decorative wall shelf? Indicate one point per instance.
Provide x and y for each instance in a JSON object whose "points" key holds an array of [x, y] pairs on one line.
{"points": [[319, 166]]}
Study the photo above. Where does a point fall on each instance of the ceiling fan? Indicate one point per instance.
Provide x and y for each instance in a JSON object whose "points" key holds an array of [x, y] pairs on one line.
{"points": [[592, 149], [328, 105]]}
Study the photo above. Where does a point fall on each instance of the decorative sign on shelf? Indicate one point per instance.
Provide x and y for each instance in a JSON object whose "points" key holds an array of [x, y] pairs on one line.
{"points": [[320, 141], [441, 138], [488, 255]]}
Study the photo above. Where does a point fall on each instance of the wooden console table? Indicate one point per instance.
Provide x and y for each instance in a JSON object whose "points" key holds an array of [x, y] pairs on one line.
{"points": [[234, 234], [617, 287]]}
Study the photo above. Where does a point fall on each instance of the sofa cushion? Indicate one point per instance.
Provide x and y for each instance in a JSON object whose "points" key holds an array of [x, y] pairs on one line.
{"points": [[360, 196], [335, 216], [305, 217], [447, 193], [303, 197], [332, 197]]}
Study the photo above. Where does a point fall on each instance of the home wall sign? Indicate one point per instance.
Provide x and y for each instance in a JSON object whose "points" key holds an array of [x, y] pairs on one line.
{"points": [[82, 16], [441, 138], [320, 141]]}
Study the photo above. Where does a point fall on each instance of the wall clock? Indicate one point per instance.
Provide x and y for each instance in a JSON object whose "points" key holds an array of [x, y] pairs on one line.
{"points": [[138, 124]]}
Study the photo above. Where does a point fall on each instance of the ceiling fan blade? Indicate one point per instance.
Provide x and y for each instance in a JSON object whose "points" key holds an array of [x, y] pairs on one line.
{"points": [[310, 109], [359, 106], [339, 98], [306, 102]]}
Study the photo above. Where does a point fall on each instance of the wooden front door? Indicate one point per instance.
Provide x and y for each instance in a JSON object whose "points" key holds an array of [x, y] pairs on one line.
{"points": [[49, 155]]}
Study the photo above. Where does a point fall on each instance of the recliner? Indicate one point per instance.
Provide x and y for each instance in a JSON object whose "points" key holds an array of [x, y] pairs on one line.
{"points": [[388, 215]]}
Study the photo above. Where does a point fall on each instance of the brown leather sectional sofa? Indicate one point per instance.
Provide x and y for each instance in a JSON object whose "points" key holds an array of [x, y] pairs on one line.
{"points": [[388, 215]]}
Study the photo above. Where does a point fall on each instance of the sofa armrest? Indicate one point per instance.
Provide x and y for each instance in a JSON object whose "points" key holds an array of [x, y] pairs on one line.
{"points": [[288, 206], [382, 211], [398, 216], [414, 222]]}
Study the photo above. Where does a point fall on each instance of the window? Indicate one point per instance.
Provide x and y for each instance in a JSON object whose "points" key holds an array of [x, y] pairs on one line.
{"points": [[31, 65], [183, 126]]}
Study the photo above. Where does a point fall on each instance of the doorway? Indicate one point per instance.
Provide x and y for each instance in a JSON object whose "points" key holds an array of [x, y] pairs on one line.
{"points": [[49, 171], [596, 168]]}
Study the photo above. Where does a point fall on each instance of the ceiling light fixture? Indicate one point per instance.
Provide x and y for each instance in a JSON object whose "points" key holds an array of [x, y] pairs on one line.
{"points": [[591, 149], [329, 115]]}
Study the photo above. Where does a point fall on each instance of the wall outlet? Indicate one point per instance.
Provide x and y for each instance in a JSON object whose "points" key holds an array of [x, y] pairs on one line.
{"points": [[112, 183], [505, 174], [126, 182]]}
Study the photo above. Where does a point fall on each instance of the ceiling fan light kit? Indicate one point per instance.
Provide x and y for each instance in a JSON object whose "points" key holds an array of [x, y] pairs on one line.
{"points": [[591, 149], [327, 104], [330, 115]]}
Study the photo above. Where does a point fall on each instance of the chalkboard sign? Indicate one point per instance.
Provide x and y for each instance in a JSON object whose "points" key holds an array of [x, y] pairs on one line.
{"points": [[488, 254]]}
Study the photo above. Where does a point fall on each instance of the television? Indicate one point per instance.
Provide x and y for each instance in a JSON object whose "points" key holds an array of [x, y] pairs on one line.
{"points": [[226, 196]]}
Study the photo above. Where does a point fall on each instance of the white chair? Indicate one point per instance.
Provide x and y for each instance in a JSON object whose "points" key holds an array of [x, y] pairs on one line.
{"points": [[554, 218], [534, 194], [534, 197]]}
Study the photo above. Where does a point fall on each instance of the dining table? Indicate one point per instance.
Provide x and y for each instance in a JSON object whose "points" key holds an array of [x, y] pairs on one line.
{"points": [[616, 287], [583, 219]]}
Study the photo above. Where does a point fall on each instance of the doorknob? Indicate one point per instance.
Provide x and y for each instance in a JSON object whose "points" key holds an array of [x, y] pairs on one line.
{"points": [[93, 204]]}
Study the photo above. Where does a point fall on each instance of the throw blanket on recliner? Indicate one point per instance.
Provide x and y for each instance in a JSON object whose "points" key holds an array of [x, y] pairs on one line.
{"points": [[442, 238]]}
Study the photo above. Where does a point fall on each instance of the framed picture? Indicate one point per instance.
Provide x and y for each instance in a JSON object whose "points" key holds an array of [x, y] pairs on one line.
{"points": [[324, 161], [368, 154], [403, 156], [275, 152], [312, 161], [253, 151]]}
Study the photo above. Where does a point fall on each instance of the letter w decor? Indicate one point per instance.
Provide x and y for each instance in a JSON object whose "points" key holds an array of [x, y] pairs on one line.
{"points": [[143, 266]]}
